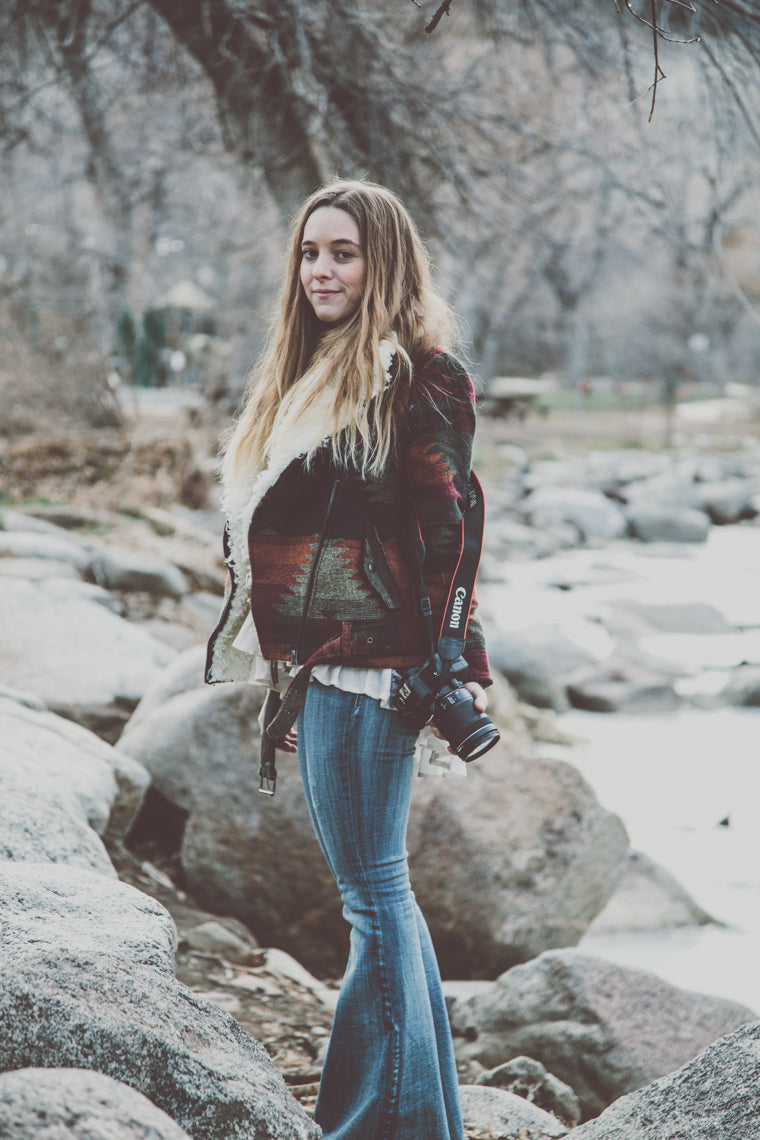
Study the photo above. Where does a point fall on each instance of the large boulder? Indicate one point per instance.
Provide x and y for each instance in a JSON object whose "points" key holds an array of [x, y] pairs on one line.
{"points": [[517, 858], [117, 569], [507, 540], [81, 660], [674, 488], [713, 1097], [743, 687], [648, 898], [56, 907], [184, 673], [82, 1009], [529, 1079], [59, 761], [673, 617], [49, 547], [537, 660], [494, 1114], [602, 1029], [37, 569], [618, 685], [112, 567], [75, 1104], [728, 500], [595, 516], [242, 853], [656, 522], [47, 827]]}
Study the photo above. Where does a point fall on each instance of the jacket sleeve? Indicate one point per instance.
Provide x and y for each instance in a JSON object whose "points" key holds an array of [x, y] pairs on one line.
{"points": [[441, 428]]}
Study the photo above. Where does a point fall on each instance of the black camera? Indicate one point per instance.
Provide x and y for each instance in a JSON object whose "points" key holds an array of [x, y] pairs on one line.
{"points": [[434, 693]]}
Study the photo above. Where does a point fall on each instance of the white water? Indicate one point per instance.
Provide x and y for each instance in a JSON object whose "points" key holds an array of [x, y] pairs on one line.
{"points": [[671, 777]]}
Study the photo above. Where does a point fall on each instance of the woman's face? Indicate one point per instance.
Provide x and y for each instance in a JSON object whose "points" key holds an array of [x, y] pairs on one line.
{"points": [[333, 264]]}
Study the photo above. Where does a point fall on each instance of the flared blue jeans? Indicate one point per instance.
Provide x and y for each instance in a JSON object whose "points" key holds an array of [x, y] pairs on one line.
{"points": [[390, 1072]]}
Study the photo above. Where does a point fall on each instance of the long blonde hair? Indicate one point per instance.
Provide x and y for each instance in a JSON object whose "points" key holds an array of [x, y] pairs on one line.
{"points": [[398, 299]]}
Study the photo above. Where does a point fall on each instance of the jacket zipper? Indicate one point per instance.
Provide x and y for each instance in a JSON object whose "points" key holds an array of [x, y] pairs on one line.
{"points": [[295, 656]]}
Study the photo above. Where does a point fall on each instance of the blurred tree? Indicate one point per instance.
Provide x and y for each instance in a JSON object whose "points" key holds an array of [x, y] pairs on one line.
{"points": [[505, 130]]}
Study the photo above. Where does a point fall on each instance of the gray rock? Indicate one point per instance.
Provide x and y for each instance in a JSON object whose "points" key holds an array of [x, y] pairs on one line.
{"points": [[37, 569], [529, 1079], [717, 468], [648, 898], [713, 1097], [74, 1104], [57, 759], [55, 907], [517, 858], [655, 523], [184, 673], [622, 686], [514, 860], [200, 744], [674, 617], [117, 569], [217, 938], [64, 591], [112, 567], [595, 516], [40, 826], [21, 697], [204, 608], [626, 465], [493, 1114], [536, 661], [13, 519], [727, 501], [72, 1009], [674, 488], [59, 547], [80, 659], [511, 541], [743, 687], [551, 473], [602, 1029]]}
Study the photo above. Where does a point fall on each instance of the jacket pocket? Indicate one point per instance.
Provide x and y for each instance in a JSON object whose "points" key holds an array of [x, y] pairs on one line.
{"points": [[377, 571]]}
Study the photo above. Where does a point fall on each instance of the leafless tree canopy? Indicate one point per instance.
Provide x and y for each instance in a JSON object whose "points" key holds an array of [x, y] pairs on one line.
{"points": [[518, 134]]}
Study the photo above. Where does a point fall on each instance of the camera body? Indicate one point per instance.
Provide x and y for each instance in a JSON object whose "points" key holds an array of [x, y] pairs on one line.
{"points": [[434, 692]]}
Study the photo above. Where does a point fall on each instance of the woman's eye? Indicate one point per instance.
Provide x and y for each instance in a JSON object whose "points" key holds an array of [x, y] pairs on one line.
{"points": [[309, 254]]}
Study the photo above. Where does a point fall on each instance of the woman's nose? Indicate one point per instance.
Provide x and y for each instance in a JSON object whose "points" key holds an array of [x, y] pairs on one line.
{"points": [[322, 266]]}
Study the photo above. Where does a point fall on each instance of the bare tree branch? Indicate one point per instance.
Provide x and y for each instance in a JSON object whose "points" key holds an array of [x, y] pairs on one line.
{"points": [[434, 21]]}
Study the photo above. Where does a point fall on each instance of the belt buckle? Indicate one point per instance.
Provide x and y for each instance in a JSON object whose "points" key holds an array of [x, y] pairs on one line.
{"points": [[267, 784]]}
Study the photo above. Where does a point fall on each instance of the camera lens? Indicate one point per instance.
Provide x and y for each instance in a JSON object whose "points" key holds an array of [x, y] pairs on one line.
{"points": [[469, 732], [479, 741]]}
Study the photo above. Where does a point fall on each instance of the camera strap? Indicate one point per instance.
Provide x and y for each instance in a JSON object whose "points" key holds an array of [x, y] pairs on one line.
{"points": [[450, 643]]}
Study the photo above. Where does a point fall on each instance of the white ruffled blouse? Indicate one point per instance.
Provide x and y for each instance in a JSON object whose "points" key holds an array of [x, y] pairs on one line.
{"points": [[431, 755]]}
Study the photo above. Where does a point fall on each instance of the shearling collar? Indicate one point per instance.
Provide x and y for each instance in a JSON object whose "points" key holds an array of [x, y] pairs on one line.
{"points": [[292, 437]]}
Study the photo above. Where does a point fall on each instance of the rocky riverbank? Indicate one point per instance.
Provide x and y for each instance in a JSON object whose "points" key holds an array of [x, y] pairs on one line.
{"points": [[159, 918]]}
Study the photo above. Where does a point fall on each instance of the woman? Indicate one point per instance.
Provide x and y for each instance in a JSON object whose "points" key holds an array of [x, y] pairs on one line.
{"points": [[354, 415]]}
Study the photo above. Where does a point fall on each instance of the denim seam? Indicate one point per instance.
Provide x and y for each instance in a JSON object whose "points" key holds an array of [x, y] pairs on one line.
{"points": [[386, 1131]]}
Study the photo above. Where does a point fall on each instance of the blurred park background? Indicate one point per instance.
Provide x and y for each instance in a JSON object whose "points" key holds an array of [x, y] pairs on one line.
{"points": [[595, 233]]}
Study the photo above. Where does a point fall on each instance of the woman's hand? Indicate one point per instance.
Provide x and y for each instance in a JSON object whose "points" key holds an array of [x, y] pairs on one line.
{"points": [[479, 693], [480, 701], [289, 744]]}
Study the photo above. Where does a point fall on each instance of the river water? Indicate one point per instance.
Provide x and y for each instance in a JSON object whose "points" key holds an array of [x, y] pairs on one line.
{"points": [[673, 778], [686, 783]]}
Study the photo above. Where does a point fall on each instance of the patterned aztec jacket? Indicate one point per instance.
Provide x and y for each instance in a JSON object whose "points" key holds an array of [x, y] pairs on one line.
{"points": [[328, 543]]}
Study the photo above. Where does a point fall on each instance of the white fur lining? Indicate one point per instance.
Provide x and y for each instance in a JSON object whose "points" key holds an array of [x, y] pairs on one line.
{"points": [[294, 434]]}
